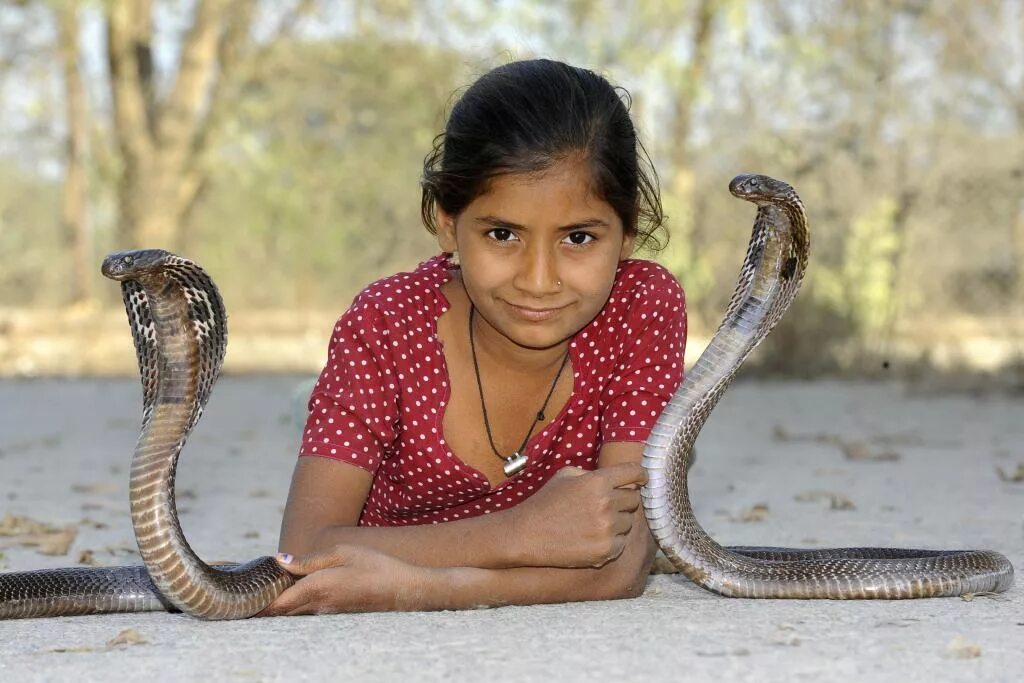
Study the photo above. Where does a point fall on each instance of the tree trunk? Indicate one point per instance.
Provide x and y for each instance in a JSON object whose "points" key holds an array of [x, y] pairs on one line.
{"points": [[688, 86], [162, 141], [682, 183], [74, 208]]}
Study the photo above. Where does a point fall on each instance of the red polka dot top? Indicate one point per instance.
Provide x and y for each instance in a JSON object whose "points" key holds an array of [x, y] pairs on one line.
{"points": [[380, 400]]}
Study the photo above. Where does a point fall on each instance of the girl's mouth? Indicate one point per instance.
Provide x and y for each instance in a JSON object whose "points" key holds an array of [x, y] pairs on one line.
{"points": [[534, 314]]}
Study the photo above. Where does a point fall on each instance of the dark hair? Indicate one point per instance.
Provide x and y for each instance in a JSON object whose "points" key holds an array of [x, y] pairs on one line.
{"points": [[525, 117]]}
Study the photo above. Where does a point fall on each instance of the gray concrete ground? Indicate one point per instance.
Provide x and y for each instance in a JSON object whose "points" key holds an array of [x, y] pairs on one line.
{"points": [[803, 464]]}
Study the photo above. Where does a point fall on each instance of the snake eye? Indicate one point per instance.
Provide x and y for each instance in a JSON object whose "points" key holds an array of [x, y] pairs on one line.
{"points": [[128, 260]]}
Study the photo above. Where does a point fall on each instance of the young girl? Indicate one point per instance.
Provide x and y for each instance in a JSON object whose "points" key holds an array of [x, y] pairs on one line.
{"points": [[475, 436]]}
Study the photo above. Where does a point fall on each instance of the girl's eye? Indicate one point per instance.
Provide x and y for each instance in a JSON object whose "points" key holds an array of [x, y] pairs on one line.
{"points": [[578, 239], [501, 234]]}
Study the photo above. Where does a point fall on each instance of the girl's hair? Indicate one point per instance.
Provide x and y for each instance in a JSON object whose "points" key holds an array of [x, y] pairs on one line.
{"points": [[525, 117]]}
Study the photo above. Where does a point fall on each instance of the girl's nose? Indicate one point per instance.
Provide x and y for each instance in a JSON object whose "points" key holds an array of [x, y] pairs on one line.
{"points": [[538, 273]]}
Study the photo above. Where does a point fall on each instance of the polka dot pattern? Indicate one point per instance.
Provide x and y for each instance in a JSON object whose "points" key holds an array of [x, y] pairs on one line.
{"points": [[379, 401]]}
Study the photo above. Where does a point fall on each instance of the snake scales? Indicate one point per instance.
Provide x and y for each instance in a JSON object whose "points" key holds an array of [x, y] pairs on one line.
{"points": [[178, 325]]}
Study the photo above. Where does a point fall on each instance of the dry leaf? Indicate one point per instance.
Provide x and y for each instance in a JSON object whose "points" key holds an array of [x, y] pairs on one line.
{"points": [[787, 640], [841, 503], [961, 649], [909, 439], [104, 487], [1017, 477], [858, 450], [836, 501], [84, 648], [57, 543], [738, 652], [756, 513], [92, 523], [120, 549], [86, 557], [12, 525], [904, 439], [251, 534], [780, 434], [904, 622], [129, 636], [19, 446], [49, 540]]}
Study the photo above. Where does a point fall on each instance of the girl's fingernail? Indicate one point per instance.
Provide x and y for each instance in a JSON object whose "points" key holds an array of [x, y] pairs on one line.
{"points": [[284, 557]]}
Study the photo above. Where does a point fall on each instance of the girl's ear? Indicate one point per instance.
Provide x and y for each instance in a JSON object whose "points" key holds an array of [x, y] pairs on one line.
{"points": [[446, 231], [627, 246]]}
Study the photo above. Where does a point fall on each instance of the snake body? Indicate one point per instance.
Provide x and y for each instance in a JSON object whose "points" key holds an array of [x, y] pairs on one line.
{"points": [[769, 279], [179, 327]]}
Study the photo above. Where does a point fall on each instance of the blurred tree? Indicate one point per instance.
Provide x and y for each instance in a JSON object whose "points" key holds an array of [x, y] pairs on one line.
{"points": [[318, 173], [74, 211], [162, 136], [982, 51], [33, 258], [295, 153]]}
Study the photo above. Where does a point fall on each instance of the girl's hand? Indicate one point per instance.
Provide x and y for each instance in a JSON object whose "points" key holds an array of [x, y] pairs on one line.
{"points": [[579, 518], [349, 578]]}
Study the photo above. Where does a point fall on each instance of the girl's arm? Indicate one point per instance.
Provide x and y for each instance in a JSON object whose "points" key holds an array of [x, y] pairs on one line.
{"points": [[327, 497], [350, 578], [353, 578], [577, 519]]}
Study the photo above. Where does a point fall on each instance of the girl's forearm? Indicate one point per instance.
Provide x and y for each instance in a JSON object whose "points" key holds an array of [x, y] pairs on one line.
{"points": [[470, 587], [487, 541]]}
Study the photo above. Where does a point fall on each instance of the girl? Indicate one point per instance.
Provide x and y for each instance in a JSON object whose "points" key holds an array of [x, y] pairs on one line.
{"points": [[475, 436]]}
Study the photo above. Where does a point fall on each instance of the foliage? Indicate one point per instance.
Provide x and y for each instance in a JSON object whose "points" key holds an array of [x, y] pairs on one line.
{"points": [[901, 124], [31, 274], [315, 185]]}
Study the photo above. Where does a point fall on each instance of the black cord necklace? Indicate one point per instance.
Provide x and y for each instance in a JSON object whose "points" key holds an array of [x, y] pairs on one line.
{"points": [[517, 461]]}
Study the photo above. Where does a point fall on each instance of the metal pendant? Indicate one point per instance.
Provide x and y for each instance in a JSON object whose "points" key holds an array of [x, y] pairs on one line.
{"points": [[514, 464]]}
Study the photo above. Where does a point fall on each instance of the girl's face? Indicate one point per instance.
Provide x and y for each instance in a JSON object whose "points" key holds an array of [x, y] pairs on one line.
{"points": [[538, 253]]}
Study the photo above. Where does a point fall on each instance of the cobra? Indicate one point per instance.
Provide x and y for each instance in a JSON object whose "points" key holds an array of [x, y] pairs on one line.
{"points": [[179, 328], [768, 282]]}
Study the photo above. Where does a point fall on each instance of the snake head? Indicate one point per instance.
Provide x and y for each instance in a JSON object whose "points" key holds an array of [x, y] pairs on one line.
{"points": [[759, 188], [131, 265]]}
